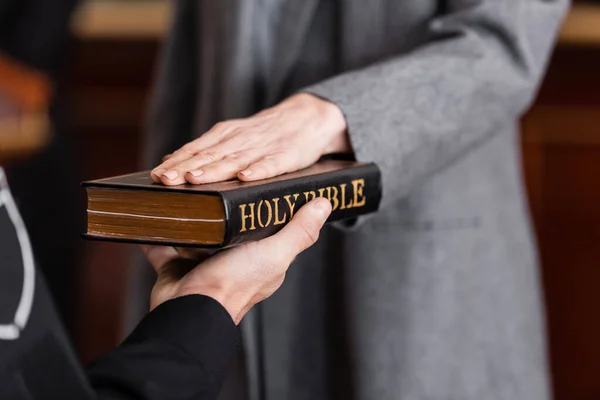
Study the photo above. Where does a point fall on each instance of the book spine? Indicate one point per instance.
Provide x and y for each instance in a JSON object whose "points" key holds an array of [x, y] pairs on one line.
{"points": [[258, 212]]}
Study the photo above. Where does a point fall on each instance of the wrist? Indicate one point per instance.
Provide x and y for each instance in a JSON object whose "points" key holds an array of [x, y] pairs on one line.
{"points": [[332, 122], [234, 302], [337, 128]]}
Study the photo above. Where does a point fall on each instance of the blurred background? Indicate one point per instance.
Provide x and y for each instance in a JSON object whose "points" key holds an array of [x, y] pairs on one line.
{"points": [[75, 78]]}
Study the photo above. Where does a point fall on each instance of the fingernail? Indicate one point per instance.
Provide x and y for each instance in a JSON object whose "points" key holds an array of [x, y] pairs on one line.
{"points": [[323, 207], [246, 172], [196, 173], [170, 175]]}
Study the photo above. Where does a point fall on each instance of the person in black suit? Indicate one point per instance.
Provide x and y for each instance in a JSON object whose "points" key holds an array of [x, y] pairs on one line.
{"points": [[180, 350], [36, 34]]}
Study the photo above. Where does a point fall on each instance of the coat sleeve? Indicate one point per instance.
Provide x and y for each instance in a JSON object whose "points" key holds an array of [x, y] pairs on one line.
{"points": [[414, 114], [181, 350]]}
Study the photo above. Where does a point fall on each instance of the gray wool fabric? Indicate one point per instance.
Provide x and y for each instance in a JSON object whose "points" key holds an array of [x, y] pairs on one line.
{"points": [[437, 296]]}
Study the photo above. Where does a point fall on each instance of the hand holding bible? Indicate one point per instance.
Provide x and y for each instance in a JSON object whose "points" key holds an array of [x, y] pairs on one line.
{"points": [[242, 276], [285, 138]]}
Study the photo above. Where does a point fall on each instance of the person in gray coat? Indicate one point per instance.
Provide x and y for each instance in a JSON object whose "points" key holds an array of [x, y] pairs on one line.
{"points": [[437, 296]]}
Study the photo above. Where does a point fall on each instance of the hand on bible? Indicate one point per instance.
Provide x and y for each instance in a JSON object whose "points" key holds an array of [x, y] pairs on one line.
{"points": [[285, 138], [242, 276]]}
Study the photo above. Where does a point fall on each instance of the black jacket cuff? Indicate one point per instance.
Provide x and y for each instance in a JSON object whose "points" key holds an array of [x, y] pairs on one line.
{"points": [[198, 324]]}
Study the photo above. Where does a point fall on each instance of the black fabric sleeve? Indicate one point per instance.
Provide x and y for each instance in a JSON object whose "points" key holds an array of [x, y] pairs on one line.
{"points": [[181, 350]]}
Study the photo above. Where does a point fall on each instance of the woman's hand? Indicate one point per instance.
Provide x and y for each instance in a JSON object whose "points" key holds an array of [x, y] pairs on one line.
{"points": [[242, 276], [287, 137]]}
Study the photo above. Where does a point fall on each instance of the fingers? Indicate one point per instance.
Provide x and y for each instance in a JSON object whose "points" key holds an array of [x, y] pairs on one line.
{"points": [[299, 234], [159, 256], [226, 168], [221, 162], [210, 139], [178, 156], [176, 175], [172, 264], [266, 167]]}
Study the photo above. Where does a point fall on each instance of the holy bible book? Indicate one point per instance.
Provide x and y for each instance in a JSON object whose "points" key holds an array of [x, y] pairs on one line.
{"points": [[132, 208]]}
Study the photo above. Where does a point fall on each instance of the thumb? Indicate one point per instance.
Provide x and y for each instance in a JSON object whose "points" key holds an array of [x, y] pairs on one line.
{"points": [[299, 234]]}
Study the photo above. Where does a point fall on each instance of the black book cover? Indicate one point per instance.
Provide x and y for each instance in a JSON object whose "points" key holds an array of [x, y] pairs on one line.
{"points": [[256, 210]]}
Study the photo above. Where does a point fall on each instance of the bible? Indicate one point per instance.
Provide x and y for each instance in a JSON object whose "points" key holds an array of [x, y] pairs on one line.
{"points": [[132, 208]]}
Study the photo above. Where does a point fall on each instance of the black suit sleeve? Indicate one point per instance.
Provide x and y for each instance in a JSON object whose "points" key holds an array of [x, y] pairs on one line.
{"points": [[181, 350]]}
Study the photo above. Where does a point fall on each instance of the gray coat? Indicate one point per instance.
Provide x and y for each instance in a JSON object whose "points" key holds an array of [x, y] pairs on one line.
{"points": [[437, 296]]}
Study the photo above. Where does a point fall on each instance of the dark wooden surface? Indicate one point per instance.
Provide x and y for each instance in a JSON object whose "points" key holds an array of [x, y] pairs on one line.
{"points": [[110, 83]]}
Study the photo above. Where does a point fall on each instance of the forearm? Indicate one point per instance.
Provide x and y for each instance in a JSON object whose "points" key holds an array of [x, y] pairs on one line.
{"points": [[416, 113]]}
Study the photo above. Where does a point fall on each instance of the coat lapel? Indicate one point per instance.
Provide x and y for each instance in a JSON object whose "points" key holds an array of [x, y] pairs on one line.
{"points": [[292, 28]]}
